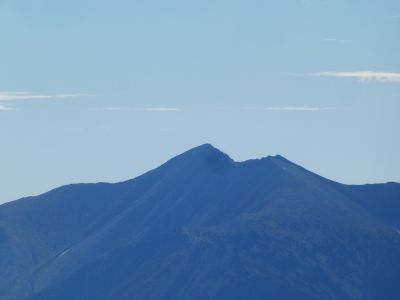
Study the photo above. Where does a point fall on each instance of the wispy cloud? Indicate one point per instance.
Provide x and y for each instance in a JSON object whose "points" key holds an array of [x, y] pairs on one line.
{"points": [[12, 96], [363, 75], [3, 108], [162, 109], [147, 109], [300, 108], [6, 97]]}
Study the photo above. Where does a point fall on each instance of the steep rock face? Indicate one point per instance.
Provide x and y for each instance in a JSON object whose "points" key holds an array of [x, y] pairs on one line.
{"points": [[202, 226]]}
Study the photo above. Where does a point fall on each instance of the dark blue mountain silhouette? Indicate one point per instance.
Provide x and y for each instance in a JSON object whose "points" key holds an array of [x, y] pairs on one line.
{"points": [[203, 226]]}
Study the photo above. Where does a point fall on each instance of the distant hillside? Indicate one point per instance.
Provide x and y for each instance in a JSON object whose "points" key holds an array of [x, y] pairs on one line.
{"points": [[203, 226]]}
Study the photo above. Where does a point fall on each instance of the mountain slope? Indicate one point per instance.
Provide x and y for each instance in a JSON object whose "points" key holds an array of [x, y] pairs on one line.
{"points": [[202, 226]]}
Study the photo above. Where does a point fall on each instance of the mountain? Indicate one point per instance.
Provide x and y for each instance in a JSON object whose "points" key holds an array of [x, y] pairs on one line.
{"points": [[203, 226]]}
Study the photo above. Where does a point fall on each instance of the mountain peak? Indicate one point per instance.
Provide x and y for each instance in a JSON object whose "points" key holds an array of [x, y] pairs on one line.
{"points": [[205, 155], [205, 150], [210, 153], [204, 147]]}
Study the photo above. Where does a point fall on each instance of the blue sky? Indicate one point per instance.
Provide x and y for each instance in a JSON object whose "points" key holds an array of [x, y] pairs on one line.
{"points": [[105, 90]]}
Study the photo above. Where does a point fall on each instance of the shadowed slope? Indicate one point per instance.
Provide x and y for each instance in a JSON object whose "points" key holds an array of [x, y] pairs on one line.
{"points": [[202, 226]]}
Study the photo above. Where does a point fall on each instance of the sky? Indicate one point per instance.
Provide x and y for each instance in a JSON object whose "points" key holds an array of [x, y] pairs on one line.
{"points": [[101, 90]]}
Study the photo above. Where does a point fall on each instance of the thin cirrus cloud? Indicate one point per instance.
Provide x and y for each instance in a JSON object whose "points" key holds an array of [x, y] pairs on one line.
{"points": [[271, 108], [3, 108], [11, 96], [363, 75], [148, 109], [7, 97], [162, 109], [292, 108], [298, 108]]}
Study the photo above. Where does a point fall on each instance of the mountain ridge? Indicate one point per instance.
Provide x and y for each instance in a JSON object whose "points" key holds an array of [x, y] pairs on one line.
{"points": [[217, 152], [188, 229]]}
